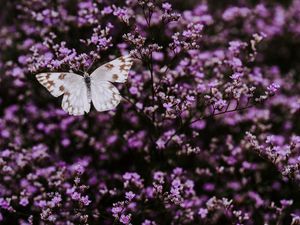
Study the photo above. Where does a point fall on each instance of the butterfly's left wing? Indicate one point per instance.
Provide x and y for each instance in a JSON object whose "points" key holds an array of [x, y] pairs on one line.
{"points": [[114, 71], [75, 100], [56, 82]]}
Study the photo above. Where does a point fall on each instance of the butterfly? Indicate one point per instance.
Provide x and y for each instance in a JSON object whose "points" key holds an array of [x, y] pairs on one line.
{"points": [[79, 91]]}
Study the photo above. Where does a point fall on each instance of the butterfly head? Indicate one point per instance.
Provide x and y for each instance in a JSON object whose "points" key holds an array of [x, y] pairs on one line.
{"points": [[85, 74]]}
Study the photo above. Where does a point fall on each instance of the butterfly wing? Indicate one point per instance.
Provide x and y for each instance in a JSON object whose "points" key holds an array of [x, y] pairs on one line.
{"points": [[55, 82], [75, 100], [114, 71], [105, 96]]}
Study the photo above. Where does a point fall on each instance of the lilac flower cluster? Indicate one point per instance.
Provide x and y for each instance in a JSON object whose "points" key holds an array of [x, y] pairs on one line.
{"points": [[207, 132]]}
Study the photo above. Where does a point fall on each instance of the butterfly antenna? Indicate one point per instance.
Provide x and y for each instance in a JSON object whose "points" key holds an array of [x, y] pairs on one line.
{"points": [[80, 71], [94, 58]]}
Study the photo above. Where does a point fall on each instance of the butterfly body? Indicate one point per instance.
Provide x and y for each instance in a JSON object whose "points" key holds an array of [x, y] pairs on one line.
{"points": [[87, 81], [80, 91]]}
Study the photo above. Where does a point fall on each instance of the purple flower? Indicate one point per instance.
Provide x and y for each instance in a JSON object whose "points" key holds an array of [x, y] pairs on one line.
{"points": [[133, 90], [85, 200], [125, 219], [76, 196], [203, 213], [167, 6], [117, 210], [129, 195], [24, 201], [273, 88]]}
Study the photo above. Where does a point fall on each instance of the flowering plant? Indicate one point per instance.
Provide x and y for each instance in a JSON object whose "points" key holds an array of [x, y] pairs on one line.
{"points": [[207, 131]]}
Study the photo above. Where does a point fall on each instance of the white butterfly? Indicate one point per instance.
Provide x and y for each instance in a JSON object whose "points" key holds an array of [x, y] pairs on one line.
{"points": [[80, 91]]}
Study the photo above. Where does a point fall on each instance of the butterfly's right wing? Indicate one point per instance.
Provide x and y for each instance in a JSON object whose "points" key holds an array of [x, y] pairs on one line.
{"points": [[105, 96], [75, 100], [115, 71]]}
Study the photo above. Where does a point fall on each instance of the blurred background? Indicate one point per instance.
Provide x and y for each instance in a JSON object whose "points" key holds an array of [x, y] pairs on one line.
{"points": [[207, 131]]}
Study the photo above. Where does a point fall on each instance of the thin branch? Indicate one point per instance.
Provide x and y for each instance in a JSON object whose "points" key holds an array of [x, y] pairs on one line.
{"points": [[149, 61], [150, 65], [142, 114], [221, 113], [187, 123]]}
